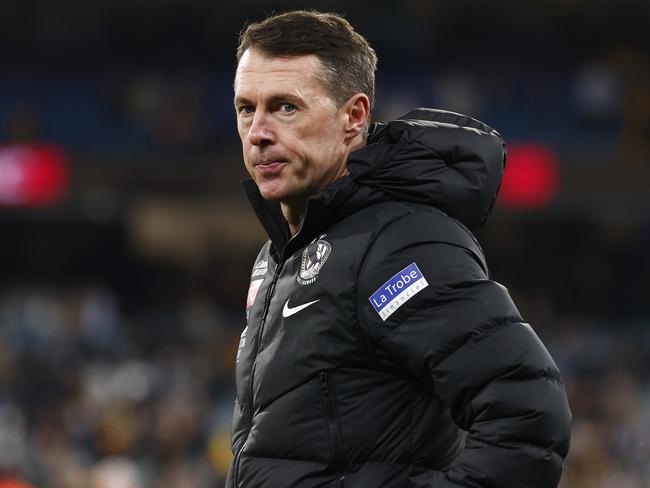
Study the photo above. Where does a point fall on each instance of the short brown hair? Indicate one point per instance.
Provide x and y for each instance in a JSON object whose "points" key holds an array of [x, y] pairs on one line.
{"points": [[348, 60]]}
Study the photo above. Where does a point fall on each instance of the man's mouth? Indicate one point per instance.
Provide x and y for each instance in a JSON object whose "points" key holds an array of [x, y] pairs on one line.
{"points": [[269, 167], [271, 162]]}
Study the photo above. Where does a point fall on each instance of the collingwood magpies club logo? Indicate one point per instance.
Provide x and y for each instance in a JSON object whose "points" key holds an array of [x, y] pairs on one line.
{"points": [[313, 259]]}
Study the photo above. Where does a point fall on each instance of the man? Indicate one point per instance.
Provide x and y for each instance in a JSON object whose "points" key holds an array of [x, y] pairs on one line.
{"points": [[377, 351]]}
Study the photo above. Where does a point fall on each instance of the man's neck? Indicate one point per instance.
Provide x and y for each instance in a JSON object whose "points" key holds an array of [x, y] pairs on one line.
{"points": [[294, 210], [294, 214]]}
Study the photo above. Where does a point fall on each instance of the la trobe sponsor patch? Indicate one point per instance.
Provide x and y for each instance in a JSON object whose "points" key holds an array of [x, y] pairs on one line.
{"points": [[314, 258], [398, 290]]}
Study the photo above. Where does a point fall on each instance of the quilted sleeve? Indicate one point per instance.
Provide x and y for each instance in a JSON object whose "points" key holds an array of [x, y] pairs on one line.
{"points": [[458, 331]]}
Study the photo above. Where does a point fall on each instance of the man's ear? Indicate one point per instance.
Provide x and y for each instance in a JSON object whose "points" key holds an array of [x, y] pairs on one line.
{"points": [[357, 111]]}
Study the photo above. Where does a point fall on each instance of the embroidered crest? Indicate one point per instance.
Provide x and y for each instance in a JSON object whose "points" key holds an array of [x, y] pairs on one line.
{"points": [[314, 258]]}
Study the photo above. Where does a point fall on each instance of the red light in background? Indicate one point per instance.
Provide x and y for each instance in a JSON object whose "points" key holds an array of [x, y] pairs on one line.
{"points": [[32, 176], [531, 177]]}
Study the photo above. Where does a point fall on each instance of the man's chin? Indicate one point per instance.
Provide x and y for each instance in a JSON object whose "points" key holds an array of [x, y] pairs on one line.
{"points": [[272, 194], [283, 197]]}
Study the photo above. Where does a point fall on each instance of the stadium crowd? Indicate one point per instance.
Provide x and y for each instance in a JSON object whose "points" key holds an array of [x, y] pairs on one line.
{"points": [[90, 397]]}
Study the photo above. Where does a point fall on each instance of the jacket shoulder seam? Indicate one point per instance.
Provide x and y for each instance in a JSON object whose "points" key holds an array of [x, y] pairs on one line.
{"points": [[479, 249]]}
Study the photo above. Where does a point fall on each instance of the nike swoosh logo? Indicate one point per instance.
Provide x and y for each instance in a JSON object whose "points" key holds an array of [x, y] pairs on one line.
{"points": [[288, 311]]}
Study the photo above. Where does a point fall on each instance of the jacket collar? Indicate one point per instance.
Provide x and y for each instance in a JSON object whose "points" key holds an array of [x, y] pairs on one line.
{"points": [[338, 200], [269, 214]]}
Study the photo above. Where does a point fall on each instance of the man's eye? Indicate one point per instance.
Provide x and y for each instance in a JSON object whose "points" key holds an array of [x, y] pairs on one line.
{"points": [[288, 107], [246, 110]]}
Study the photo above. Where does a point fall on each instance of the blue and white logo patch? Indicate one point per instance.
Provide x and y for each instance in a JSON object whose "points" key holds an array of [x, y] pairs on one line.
{"points": [[398, 290]]}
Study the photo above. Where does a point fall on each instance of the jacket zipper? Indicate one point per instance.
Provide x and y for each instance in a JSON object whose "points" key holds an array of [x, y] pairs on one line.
{"points": [[267, 304], [332, 421]]}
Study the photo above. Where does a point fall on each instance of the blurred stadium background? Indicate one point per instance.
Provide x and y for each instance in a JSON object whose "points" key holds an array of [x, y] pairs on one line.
{"points": [[126, 241]]}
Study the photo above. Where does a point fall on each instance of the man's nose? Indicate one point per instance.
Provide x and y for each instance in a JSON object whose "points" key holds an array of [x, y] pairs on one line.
{"points": [[260, 133]]}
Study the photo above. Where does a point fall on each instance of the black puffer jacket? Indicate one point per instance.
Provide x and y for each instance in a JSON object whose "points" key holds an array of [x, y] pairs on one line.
{"points": [[378, 353]]}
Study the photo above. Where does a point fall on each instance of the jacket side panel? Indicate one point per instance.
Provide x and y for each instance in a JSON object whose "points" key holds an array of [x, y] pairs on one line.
{"points": [[260, 278]]}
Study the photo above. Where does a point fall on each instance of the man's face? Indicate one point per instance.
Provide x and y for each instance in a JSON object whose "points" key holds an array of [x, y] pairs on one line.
{"points": [[292, 132]]}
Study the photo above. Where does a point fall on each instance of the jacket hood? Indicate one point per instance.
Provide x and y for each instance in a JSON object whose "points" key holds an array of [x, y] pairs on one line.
{"points": [[433, 157]]}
